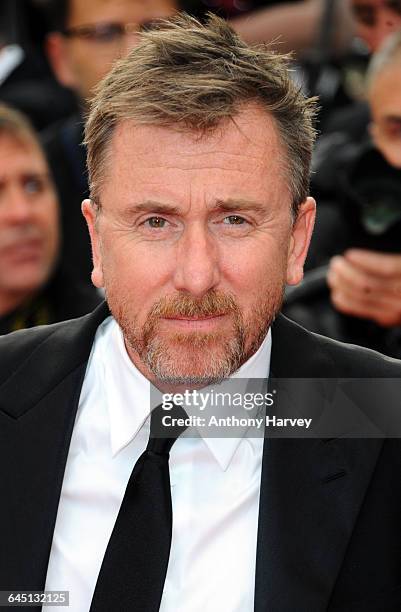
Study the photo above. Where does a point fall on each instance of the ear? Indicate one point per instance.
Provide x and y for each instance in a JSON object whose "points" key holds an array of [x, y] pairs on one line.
{"points": [[59, 56], [301, 234], [89, 212]]}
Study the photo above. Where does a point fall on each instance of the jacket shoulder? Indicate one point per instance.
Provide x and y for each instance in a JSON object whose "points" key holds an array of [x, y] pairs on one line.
{"points": [[308, 354], [18, 346], [352, 361], [56, 348]]}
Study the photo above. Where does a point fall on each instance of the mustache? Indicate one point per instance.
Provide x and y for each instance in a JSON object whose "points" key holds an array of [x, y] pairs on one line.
{"points": [[14, 236], [182, 305]]}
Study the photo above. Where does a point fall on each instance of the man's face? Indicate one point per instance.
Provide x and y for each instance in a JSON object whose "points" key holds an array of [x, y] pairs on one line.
{"points": [[28, 219], [385, 106], [82, 60], [375, 20], [194, 243]]}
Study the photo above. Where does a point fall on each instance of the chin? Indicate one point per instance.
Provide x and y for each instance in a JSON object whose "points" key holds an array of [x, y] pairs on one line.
{"points": [[193, 359]]}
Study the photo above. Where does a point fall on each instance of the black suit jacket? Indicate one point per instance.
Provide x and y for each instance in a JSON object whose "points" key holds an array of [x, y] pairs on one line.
{"points": [[329, 536]]}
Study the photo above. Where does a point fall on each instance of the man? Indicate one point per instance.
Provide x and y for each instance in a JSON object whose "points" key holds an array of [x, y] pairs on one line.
{"points": [[85, 39], [360, 302], [373, 22], [33, 290], [198, 153]]}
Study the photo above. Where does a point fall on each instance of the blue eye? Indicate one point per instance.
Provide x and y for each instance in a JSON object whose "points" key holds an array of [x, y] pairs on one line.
{"points": [[33, 185], [234, 220]]}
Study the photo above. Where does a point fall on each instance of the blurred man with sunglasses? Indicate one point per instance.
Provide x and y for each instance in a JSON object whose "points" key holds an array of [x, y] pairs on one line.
{"points": [[84, 40]]}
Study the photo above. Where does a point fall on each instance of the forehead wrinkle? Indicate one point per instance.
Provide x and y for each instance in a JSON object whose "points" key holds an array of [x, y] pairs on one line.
{"points": [[266, 136], [153, 160], [265, 155]]}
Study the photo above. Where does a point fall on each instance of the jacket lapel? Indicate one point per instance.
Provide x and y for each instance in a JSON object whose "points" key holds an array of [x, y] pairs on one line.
{"points": [[311, 493], [38, 405]]}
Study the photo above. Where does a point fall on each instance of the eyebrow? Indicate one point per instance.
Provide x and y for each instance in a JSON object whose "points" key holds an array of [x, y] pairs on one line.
{"points": [[31, 174], [228, 205], [154, 207], [239, 204]]}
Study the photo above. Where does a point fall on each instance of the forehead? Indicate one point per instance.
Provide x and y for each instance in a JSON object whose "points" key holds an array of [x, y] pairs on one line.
{"points": [[242, 157], [94, 11], [20, 151]]}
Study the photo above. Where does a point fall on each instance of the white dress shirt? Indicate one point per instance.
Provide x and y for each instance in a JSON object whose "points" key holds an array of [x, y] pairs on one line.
{"points": [[215, 486]]}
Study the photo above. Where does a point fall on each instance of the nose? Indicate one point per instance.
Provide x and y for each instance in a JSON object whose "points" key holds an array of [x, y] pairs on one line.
{"points": [[197, 267], [130, 40], [17, 206]]}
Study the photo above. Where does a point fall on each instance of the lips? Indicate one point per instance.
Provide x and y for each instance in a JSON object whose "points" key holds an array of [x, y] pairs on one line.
{"points": [[23, 250], [198, 323], [198, 318]]}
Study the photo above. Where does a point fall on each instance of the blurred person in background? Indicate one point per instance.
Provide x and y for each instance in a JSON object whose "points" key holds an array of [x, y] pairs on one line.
{"points": [[373, 21], [357, 297], [85, 39], [287, 26], [33, 289]]}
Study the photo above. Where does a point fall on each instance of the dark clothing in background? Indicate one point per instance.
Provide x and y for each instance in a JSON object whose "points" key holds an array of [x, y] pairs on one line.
{"points": [[351, 120], [31, 86], [359, 206], [59, 300], [310, 306], [67, 159], [36, 94]]}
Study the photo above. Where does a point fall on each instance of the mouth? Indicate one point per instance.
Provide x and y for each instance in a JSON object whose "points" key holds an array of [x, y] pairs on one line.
{"points": [[23, 251], [201, 323]]}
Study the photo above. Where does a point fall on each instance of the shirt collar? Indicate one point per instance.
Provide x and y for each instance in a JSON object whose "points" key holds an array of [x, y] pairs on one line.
{"points": [[128, 395], [127, 391], [257, 367]]}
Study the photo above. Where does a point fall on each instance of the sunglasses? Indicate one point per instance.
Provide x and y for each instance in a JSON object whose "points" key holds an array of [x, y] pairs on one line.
{"points": [[107, 32]]}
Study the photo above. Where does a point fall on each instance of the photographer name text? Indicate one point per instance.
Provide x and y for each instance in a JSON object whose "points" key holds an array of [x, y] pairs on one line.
{"points": [[233, 421]]}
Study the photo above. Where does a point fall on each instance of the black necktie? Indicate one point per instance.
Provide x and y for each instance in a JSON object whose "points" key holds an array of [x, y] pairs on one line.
{"points": [[134, 566]]}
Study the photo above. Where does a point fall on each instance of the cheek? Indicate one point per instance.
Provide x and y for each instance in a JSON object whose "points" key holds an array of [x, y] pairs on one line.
{"points": [[95, 70], [88, 70], [392, 153], [141, 274], [48, 219], [255, 273], [367, 35]]}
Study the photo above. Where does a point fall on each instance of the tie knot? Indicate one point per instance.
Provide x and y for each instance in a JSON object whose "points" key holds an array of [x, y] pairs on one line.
{"points": [[165, 427]]}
